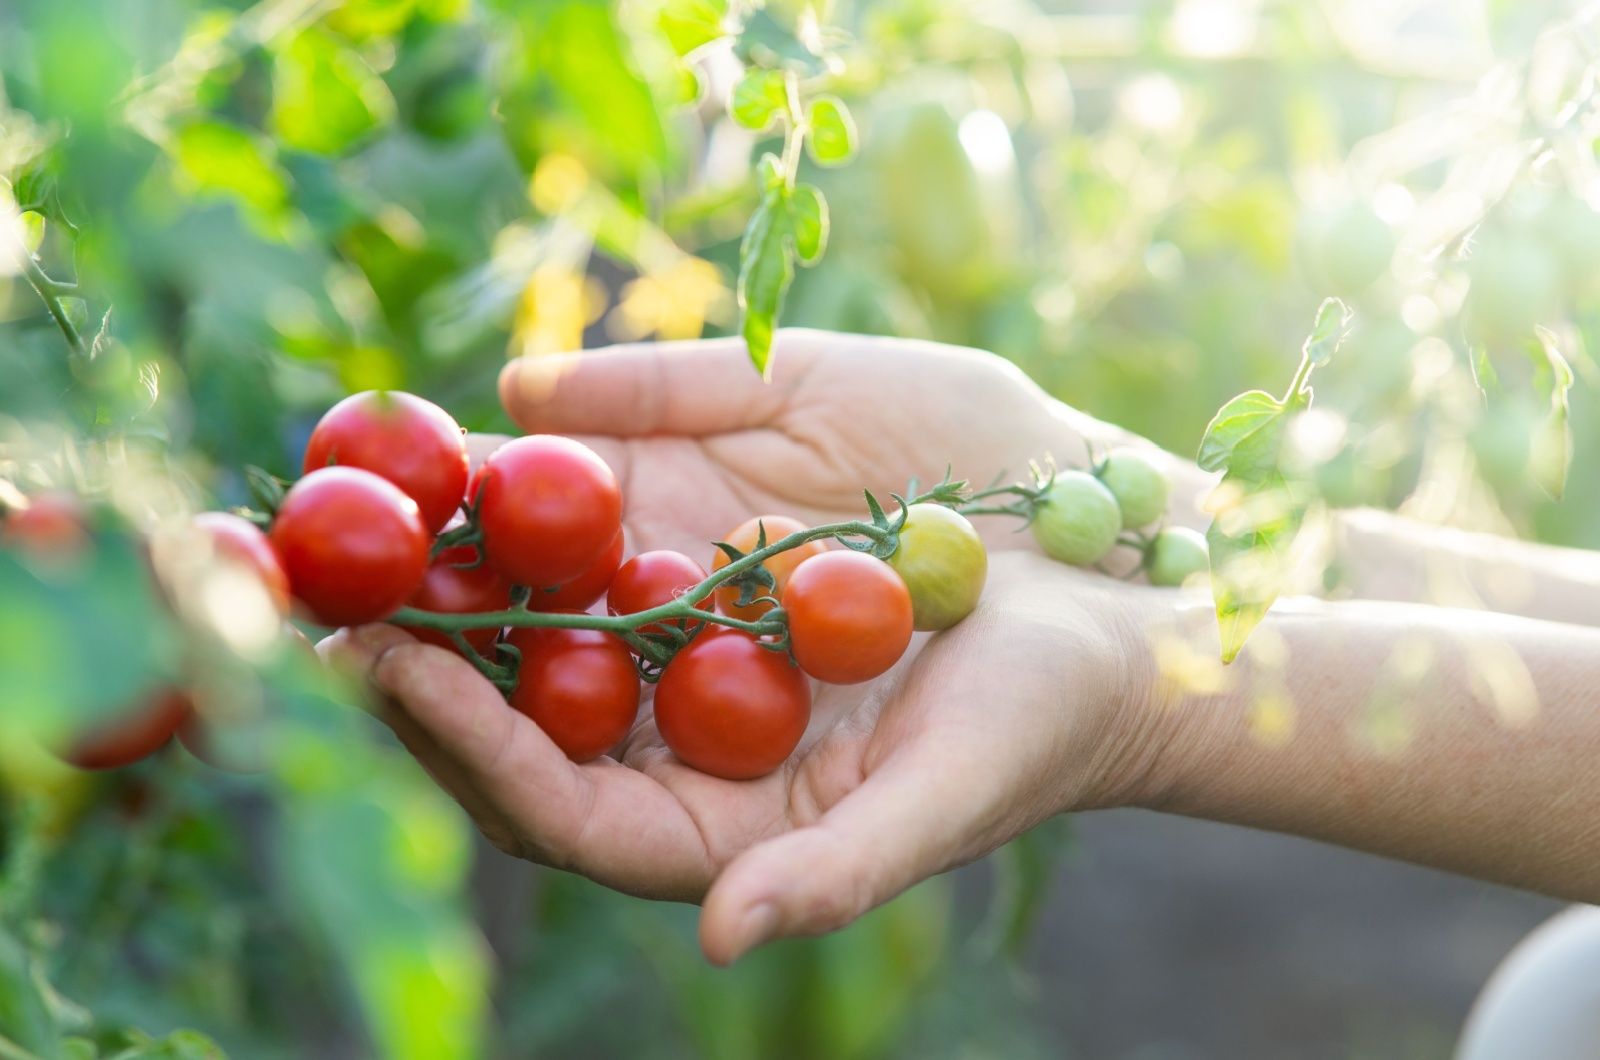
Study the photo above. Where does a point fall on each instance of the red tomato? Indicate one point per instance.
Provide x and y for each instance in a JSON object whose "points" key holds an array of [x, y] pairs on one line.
{"points": [[456, 590], [744, 538], [849, 617], [579, 686], [549, 508], [732, 708], [240, 542], [582, 592], [651, 579], [353, 545], [137, 734], [53, 524], [409, 441]]}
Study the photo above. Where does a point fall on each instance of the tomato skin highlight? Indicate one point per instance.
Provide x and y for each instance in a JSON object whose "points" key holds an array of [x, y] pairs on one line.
{"points": [[744, 538], [239, 541], [586, 590], [136, 734], [406, 439], [850, 617], [651, 579], [452, 589], [549, 508], [579, 686], [943, 562], [729, 707], [352, 543]]}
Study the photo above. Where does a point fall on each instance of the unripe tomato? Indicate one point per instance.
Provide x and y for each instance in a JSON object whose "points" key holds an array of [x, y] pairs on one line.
{"points": [[408, 440], [584, 591], [943, 563], [1079, 520], [849, 617], [453, 589], [1139, 486], [744, 538], [239, 541], [578, 685], [732, 708], [1177, 554], [549, 508], [651, 579], [137, 733], [353, 545]]}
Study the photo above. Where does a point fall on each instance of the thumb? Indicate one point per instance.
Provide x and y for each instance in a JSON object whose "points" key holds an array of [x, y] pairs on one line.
{"points": [[895, 830]]}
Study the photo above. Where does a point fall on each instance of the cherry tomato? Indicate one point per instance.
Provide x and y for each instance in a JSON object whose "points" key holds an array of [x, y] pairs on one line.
{"points": [[240, 542], [453, 589], [849, 617], [744, 538], [651, 579], [138, 733], [549, 508], [410, 441], [942, 560], [1079, 520], [53, 524], [579, 686], [353, 545], [1176, 555], [1139, 486], [732, 708], [584, 591]]}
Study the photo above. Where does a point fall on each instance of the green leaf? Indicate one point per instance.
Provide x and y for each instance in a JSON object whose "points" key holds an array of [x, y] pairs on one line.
{"points": [[25, 1018], [1244, 437], [759, 98], [808, 212], [766, 268], [1249, 538], [1329, 331], [179, 1045], [220, 158], [691, 24], [1550, 451], [324, 96], [833, 132]]}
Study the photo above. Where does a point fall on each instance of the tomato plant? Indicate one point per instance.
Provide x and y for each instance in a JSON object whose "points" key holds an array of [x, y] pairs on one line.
{"points": [[744, 538], [406, 439], [731, 707], [353, 545], [579, 686], [549, 508], [849, 617], [943, 563], [651, 579]]}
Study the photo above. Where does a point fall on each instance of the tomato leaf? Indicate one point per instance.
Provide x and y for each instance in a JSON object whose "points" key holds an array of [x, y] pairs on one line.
{"points": [[25, 1016], [692, 24], [833, 132], [759, 98], [1329, 331], [1249, 538], [1550, 452], [808, 212], [766, 268], [1245, 436]]}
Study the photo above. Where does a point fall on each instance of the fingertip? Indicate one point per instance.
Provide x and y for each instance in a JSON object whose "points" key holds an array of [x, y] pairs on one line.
{"points": [[355, 650], [725, 936]]}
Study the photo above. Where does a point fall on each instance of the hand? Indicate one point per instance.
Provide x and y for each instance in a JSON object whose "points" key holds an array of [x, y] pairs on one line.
{"points": [[1023, 710]]}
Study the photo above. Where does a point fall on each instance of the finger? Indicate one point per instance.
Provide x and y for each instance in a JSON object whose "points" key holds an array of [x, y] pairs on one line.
{"points": [[694, 388], [895, 829], [600, 818]]}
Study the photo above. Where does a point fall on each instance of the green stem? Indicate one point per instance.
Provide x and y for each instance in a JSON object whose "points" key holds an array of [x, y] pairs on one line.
{"points": [[50, 291], [1302, 375]]}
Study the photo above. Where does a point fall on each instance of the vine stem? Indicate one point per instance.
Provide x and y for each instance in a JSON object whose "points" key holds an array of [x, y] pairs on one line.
{"points": [[50, 291], [1301, 375]]}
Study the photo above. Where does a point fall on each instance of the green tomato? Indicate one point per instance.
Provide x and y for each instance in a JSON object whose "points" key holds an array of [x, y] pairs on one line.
{"points": [[1176, 555], [942, 560], [1139, 486], [1079, 520]]}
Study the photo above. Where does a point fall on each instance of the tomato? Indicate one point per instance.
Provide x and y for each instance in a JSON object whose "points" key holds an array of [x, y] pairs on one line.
{"points": [[1139, 486], [849, 617], [732, 708], [1177, 554], [1079, 520], [943, 562], [138, 733], [744, 538], [651, 579], [578, 685], [549, 508], [240, 542], [453, 589], [584, 591], [410, 441], [53, 524], [353, 545]]}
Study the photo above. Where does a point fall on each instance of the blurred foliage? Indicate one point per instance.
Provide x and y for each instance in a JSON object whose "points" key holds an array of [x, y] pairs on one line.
{"points": [[264, 206]]}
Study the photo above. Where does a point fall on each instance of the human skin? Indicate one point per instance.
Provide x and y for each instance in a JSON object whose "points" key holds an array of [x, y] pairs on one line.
{"points": [[1111, 696]]}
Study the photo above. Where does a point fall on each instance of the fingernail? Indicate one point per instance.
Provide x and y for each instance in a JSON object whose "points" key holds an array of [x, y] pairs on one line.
{"points": [[755, 927]]}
